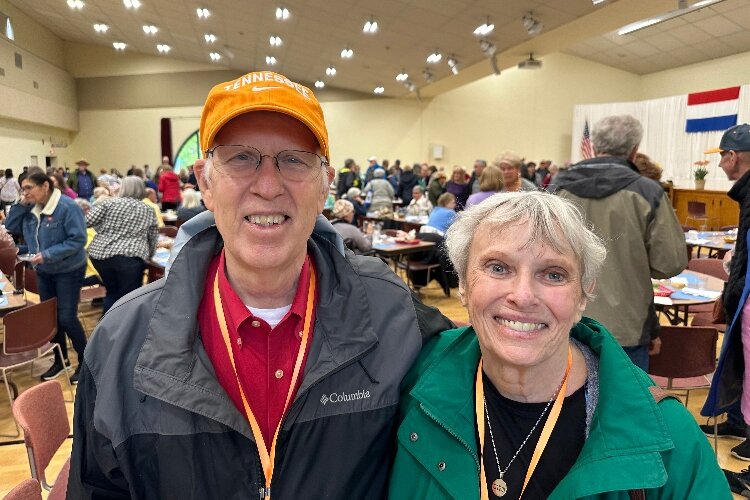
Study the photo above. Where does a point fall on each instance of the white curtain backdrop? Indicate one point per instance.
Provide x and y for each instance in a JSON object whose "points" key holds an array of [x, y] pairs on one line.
{"points": [[664, 136]]}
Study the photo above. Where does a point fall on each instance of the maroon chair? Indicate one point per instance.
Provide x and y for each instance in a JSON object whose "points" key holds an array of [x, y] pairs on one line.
{"points": [[168, 231], [698, 215], [8, 261], [41, 413], [29, 489]]}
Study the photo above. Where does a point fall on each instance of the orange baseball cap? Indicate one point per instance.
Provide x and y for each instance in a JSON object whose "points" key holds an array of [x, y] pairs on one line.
{"points": [[261, 91]]}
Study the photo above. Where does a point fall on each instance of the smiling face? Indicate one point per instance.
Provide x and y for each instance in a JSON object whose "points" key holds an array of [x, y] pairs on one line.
{"points": [[522, 299], [510, 173], [264, 219]]}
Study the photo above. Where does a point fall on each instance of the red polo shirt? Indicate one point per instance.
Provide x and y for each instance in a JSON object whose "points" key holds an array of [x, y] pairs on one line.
{"points": [[264, 357]]}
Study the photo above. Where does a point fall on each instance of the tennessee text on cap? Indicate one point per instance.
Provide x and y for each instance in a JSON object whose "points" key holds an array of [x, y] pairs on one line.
{"points": [[736, 138], [261, 91]]}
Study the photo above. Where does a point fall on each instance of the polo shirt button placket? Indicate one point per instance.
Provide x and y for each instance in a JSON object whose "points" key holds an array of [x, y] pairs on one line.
{"points": [[279, 374], [255, 323]]}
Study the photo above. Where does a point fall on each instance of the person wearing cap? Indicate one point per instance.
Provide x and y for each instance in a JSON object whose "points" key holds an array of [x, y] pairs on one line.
{"points": [[82, 181], [268, 361], [372, 167], [343, 215], [348, 178], [644, 239], [731, 382]]}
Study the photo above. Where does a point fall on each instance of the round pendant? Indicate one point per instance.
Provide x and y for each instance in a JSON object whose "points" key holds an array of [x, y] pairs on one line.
{"points": [[499, 487]]}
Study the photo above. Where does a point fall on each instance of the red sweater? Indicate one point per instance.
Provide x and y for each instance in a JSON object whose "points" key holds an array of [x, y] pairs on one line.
{"points": [[169, 187]]}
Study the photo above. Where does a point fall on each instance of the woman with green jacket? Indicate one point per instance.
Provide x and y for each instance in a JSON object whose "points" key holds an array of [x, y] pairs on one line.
{"points": [[535, 401]]}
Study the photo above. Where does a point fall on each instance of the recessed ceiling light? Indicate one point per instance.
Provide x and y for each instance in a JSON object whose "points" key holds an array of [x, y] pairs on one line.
{"points": [[132, 4], [202, 12], [163, 48], [215, 56], [320, 84], [330, 71], [379, 90], [150, 29], [270, 60], [282, 13], [119, 45], [101, 28], [209, 37], [402, 77], [484, 29], [347, 53], [370, 26], [435, 57], [75, 4], [275, 41]]}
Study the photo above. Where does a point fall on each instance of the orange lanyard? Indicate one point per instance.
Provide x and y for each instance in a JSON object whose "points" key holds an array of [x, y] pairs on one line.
{"points": [[266, 457], [549, 425]]}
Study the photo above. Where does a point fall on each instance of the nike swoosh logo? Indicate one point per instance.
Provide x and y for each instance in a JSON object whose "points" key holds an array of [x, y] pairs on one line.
{"points": [[260, 89]]}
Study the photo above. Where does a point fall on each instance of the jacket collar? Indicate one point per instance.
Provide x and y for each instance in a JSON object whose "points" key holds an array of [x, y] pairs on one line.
{"points": [[51, 205], [739, 191], [173, 366], [627, 431]]}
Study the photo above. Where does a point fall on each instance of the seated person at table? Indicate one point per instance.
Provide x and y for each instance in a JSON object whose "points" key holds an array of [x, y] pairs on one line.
{"points": [[191, 205], [533, 400], [343, 213], [152, 201], [419, 204], [441, 216], [490, 182], [91, 277], [382, 192], [354, 195]]}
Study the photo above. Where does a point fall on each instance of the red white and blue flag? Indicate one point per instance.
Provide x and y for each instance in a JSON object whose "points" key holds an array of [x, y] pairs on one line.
{"points": [[713, 110], [587, 151]]}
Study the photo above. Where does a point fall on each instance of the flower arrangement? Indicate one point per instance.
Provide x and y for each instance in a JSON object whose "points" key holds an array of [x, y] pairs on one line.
{"points": [[700, 171]]}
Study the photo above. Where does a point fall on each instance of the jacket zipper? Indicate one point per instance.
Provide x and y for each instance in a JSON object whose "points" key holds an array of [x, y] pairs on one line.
{"points": [[266, 492], [458, 438]]}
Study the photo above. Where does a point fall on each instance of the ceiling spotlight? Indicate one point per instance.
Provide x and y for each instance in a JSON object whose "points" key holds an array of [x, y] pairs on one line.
{"points": [[202, 13], [163, 48], [484, 29], [402, 77], [119, 45], [533, 26], [209, 37], [330, 71], [597, 2], [101, 28], [347, 53], [320, 84], [370, 26], [215, 56], [488, 48], [530, 63], [435, 57], [270, 60], [453, 65], [75, 4], [379, 90], [275, 41], [282, 13], [132, 4], [410, 85], [427, 75], [150, 29]]}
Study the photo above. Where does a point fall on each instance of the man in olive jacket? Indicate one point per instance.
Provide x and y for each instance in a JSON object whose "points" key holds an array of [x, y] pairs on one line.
{"points": [[643, 236]]}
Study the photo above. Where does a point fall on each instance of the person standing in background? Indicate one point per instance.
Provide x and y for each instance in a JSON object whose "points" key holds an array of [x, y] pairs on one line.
{"points": [[82, 180], [10, 190], [169, 187]]}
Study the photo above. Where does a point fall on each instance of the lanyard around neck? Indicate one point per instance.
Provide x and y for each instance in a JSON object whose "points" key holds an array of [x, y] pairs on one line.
{"points": [[543, 438], [267, 456]]}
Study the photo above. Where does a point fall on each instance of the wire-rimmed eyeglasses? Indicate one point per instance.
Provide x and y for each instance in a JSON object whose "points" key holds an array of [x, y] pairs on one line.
{"points": [[240, 161]]}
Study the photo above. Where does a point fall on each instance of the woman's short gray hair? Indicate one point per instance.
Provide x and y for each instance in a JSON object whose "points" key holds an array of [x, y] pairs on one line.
{"points": [[550, 219], [132, 187], [616, 135], [191, 198]]}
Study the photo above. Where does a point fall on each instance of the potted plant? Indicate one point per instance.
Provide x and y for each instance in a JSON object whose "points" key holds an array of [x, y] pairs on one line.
{"points": [[700, 173]]}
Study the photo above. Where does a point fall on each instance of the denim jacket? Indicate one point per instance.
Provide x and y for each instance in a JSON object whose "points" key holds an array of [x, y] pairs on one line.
{"points": [[58, 230]]}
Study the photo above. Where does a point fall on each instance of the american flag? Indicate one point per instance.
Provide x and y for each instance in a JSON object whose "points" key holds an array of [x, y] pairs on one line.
{"points": [[586, 150]]}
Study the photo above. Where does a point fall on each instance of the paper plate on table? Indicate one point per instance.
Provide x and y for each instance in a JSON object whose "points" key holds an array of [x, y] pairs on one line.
{"points": [[407, 242], [26, 257]]}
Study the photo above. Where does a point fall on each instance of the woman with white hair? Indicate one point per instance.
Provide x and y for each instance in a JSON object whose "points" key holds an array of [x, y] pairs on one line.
{"points": [[382, 192], [191, 205], [534, 400], [343, 215], [126, 234]]}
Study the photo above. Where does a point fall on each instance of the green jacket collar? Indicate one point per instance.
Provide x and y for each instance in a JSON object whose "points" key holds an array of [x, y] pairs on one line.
{"points": [[627, 432]]}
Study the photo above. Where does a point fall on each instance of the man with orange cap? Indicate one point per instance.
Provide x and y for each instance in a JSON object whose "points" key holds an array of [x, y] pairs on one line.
{"points": [[268, 362]]}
